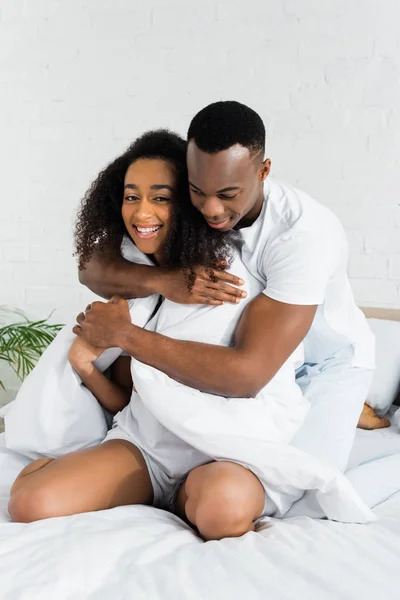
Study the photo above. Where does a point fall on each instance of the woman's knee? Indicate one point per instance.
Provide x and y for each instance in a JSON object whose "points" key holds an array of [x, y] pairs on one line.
{"points": [[29, 502], [32, 504], [224, 505], [216, 522]]}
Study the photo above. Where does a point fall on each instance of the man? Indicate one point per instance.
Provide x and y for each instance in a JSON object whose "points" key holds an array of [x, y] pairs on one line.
{"points": [[298, 249]]}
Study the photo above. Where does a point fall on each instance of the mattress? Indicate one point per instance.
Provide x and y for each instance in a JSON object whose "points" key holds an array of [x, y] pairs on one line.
{"points": [[142, 552]]}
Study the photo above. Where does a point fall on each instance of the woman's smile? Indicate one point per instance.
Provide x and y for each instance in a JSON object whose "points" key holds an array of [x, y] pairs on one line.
{"points": [[146, 232]]}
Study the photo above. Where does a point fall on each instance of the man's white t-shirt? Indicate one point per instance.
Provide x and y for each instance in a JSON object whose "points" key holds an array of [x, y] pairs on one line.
{"points": [[298, 249]]}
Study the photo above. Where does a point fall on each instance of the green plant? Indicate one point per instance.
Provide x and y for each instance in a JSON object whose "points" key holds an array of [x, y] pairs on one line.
{"points": [[22, 342]]}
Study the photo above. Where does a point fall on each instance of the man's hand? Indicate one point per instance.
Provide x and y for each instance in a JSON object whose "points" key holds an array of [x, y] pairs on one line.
{"points": [[101, 323], [211, 287]]}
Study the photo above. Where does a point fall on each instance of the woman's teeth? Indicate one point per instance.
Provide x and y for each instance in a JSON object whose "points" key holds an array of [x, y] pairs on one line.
{"points": [[145, 232], [148, 229]]}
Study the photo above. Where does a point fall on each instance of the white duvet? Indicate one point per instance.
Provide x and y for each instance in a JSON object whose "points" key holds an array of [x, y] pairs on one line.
{"points": [[144, 553]]}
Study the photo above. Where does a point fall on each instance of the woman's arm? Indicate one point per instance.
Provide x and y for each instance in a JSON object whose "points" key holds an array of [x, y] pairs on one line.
{"points": [[112, 394]]}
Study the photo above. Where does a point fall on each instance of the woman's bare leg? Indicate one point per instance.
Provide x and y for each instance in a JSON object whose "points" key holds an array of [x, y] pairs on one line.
{"points": [[112, 474], [221, 499]]}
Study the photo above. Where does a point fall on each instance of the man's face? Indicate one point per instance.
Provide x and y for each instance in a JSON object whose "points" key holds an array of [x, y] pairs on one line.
{"points": [[227, 186]]}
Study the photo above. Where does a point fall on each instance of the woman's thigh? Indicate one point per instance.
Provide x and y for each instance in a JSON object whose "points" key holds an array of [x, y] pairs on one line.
{"points": [[112, 474]]}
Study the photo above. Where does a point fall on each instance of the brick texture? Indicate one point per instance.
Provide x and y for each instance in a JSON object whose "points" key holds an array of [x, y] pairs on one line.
{"points": [[79, 80]]}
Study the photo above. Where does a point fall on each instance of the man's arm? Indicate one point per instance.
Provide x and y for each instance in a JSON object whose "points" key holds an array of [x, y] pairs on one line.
{"points": [[268, 333], [107, 275]]}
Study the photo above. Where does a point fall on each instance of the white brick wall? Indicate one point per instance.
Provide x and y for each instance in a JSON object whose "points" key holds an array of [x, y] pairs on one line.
{"points": [[80, 79]]}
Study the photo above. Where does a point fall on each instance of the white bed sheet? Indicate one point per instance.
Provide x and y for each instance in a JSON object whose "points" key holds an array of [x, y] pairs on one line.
{"points": [[144, 553]]}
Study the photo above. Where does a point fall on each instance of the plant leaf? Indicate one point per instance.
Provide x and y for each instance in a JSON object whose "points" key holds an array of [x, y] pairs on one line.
{"points": [[22, 342]]}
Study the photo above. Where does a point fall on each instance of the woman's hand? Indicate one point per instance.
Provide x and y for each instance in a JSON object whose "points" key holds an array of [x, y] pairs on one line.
{"points": [[211, 286], [82, 355]]}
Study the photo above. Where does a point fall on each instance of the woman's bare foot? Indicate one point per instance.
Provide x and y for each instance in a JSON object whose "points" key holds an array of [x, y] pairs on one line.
{"points": [[370, 420]]}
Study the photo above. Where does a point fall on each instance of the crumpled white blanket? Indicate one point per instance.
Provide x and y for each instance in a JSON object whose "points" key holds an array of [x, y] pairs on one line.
{"points": [[54, 413]]}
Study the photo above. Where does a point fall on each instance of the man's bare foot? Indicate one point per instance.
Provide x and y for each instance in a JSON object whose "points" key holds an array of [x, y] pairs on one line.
{"points": [[370, 420]]}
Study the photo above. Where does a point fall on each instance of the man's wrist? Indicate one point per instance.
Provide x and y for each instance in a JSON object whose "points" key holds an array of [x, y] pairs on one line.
{"points": [[126, 337]]}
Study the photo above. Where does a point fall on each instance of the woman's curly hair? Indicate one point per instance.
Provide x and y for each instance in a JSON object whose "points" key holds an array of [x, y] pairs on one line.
{"points": [[190, 241]]}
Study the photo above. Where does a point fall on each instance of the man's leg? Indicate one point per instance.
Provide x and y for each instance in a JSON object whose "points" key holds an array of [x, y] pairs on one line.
{"points": [[336, 394], [112, 474], [221, 499]]}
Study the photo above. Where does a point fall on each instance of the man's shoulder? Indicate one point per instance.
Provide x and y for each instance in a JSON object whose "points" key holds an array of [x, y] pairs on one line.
{"points": [[291, 208]]}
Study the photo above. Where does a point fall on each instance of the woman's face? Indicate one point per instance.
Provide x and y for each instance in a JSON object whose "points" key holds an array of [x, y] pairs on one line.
{"points": [[149, 193]]}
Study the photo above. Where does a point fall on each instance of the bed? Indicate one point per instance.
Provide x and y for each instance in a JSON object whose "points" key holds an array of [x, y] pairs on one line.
{"points": [[141, 552]]}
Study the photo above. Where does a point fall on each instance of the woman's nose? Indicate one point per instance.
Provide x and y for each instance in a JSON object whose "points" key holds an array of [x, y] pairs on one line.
{"points": [[144, 209]]}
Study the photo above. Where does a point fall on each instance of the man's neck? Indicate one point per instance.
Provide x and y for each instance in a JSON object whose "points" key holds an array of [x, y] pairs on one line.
{"points": [[253, 213]]}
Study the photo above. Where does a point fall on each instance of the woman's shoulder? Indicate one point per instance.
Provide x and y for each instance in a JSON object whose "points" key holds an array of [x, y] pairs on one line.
{"points": [[132, 253]]}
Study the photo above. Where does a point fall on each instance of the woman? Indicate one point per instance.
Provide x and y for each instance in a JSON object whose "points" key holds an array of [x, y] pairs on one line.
{"points": [[142, 194]]}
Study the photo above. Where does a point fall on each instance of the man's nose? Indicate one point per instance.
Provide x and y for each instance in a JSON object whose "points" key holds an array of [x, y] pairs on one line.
{"points": [[212, 207]]}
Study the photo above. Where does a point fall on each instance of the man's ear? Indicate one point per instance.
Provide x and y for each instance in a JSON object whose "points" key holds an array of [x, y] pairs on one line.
{"points": [[265, 169]]}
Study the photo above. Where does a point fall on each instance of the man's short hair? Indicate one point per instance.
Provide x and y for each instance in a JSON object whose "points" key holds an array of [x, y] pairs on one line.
{"points": [[221, 125]]}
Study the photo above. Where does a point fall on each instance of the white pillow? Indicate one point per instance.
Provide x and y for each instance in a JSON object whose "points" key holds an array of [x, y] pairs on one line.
{"points": [[54, 412], [387, 375]]}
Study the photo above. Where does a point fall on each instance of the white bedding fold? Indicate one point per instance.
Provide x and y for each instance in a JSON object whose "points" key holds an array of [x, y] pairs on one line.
{"points": [[241, 430]]}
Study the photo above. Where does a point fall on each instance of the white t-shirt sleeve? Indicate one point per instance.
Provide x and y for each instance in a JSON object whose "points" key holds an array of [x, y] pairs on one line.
{"points": [[298, 266]]}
